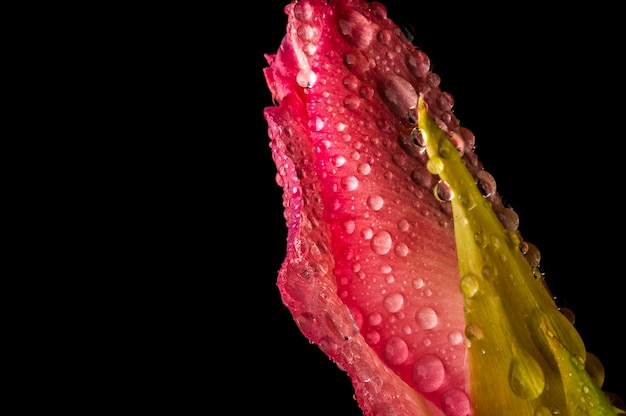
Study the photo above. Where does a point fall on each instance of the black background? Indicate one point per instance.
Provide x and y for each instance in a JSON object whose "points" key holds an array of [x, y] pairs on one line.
{"points": [[541, 91]]}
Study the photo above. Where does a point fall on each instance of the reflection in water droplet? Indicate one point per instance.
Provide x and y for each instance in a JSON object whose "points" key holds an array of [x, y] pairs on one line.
{"points": [[443, 192], [428, 373], [381, 242], [393, 302], [426, 317], [417, 138], [395, 351]]}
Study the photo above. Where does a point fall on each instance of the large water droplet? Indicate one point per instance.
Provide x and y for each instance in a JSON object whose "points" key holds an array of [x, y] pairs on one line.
{"points": [[526, 377], [303, 11], [393, 302], [473, 332], [364, 168], [381, 242], [374, 318], [428, 373], [395, 351], [426, 317], [375, 202], [398, 94], [455, 402], [418, 63], [355, 28]]}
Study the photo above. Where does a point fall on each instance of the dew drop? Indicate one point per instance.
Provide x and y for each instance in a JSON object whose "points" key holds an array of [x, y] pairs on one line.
{"points": [[364, 168], [349, 183], [417, 138], [381, 242], [339, 161], [306, 78], [398, 94], [433, 80], [526, 378], [395, 351], [428, 373], [486, 183], [355, 28], [375, 202], [543, 411], [303, 11], [443, 192], [473, 332], [455, 402], [349, 226], [393, 302], [367, 233], [374, 318], [455, 337], [372, 337], [426, 317], [351, 82], [401, 249], [403, 225], [351, 102], [435, 165], [305, 32], [469, 285], [418, 283], [418, 63], [422, 177]]}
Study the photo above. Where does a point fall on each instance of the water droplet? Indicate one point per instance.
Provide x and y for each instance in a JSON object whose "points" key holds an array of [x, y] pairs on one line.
{"points": [[367, 233], [364, 168], [418, 63], [374, 318], [390, 279], [398, 94], [339, 161], [455, 337], [435, 165], [393, 302], [351, 102], [486, 183], [473, 332], [375, 202], [372, 337], [366, 91], [305, 32], [351, 82], [543, 411], [422, 177], [455, 402], [395, 351], [433, 80], [443, 192], [355, 28], [418, 283], [349, 226], [428, 373], [381, 242], [303, 11], [401, 249], [526, 378], [426, 317], [469, 285], [306, 78], [349, 183]]}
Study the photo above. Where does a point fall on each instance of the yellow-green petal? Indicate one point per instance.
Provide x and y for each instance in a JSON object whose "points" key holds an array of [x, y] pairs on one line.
{"points": [[525, 356]]}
